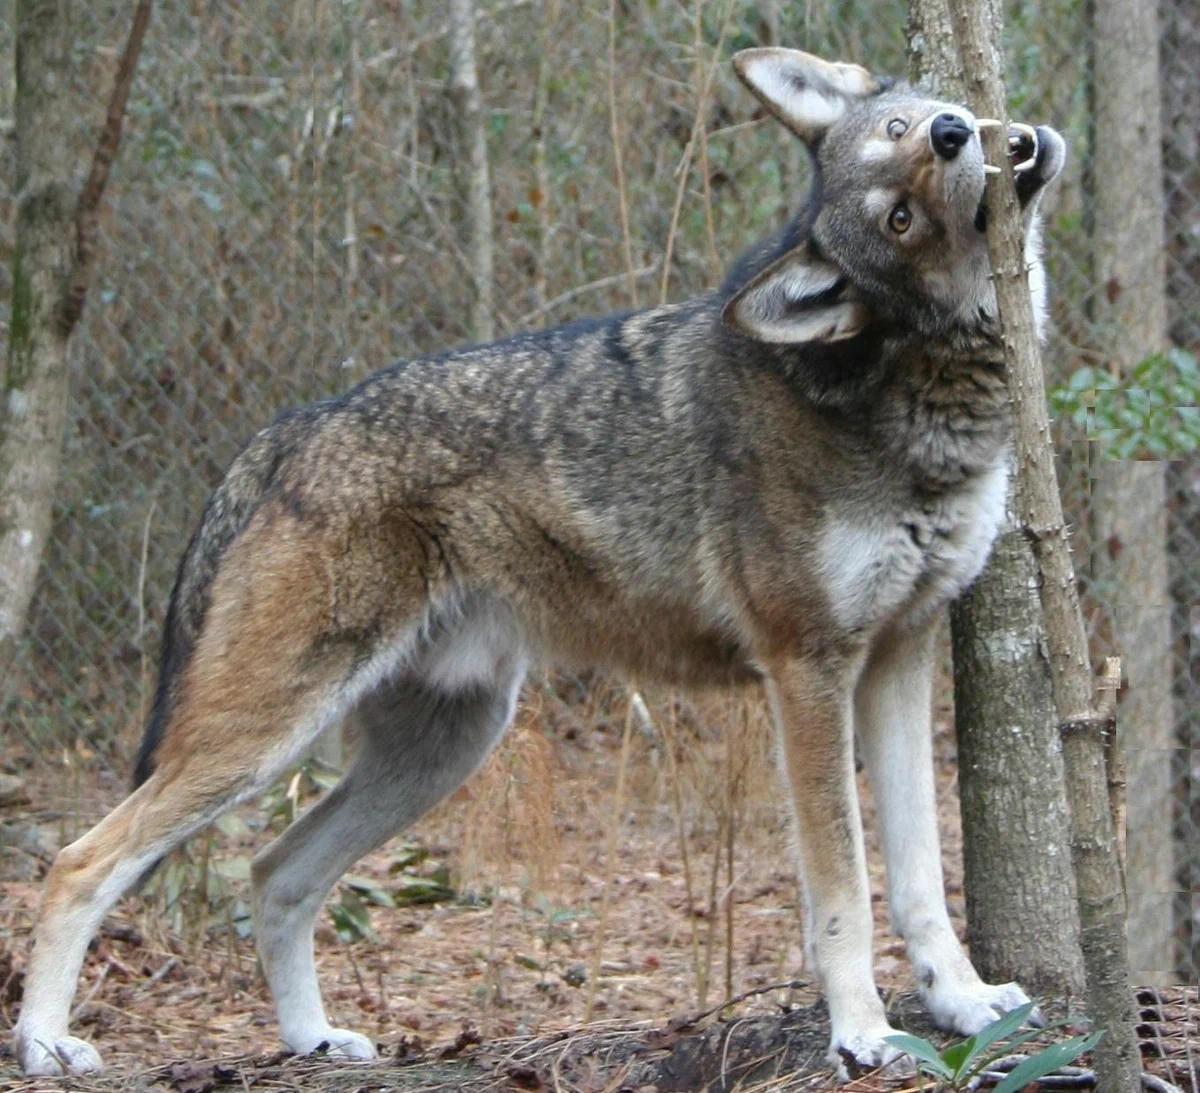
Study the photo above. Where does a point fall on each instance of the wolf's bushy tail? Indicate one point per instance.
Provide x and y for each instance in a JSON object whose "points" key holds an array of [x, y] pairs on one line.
{"points": [[230, 506]]}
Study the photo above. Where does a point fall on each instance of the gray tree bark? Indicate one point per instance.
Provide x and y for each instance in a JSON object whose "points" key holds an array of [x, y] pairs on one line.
{"points": [[1084, 722], [52, 261], [1021, 916], [1022, 920], [1129, 498], [475, 182]]}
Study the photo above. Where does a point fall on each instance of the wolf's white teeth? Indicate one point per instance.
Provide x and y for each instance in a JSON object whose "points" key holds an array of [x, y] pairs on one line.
{"points": [[1028, 132], [988, 169]]}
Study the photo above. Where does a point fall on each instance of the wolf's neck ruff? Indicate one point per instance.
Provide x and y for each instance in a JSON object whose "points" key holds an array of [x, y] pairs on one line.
{"points": [[947, 415]]}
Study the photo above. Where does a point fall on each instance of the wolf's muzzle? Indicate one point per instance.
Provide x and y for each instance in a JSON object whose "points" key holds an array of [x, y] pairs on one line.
{"points": [[1048, 156], [948, 133]]}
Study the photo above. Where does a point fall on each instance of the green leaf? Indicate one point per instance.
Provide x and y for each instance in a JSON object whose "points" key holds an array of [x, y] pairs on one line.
{"points": [[1185, 363], [351, 918], [414, 890], [1014, 1042], [1082, 379], [921, 1050], [1003, 1027], [1047, 1061], [371, 891], [232, 868], [323, 776], [243, 921], [963, 1055], [408, 857], [233, 825], [958, 1056]]}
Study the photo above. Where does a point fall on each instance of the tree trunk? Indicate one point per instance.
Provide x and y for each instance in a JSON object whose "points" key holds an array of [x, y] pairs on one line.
{"points": [[1129, 498], [1022, 922], [35, 383], [52, 260], [1082, 723], [473, 157]]}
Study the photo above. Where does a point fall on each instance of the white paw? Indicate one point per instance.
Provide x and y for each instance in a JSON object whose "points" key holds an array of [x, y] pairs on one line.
{"points": [[967, 1009], [45, 1058], [337, 1042], [866, 1050]]}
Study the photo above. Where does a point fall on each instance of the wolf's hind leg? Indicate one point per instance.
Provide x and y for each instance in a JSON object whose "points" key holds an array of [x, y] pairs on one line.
{"points": [[87, 878], [893, 704], [417, 746], [258, 685]]}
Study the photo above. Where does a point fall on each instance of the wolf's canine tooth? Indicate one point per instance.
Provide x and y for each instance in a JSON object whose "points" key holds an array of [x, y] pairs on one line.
{"points": [[1030, 132]]}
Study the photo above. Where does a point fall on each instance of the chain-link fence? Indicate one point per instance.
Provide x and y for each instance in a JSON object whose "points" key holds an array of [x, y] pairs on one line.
{"points": [[284, 219]]}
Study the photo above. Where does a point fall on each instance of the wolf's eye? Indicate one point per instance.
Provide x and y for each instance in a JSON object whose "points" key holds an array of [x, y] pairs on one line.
{"points": [[901, 219], [896, 128]]}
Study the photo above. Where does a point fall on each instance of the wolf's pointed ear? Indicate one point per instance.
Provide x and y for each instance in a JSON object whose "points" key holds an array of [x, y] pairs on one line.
{"points": [[806, 93], [798, 299]]}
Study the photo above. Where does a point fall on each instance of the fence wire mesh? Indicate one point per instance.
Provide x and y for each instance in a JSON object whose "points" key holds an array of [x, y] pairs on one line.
{"points": [[283, 221]]}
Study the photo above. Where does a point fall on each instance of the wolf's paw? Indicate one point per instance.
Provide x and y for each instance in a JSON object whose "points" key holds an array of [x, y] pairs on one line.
{"points": [[53, 1058], [967, 1009], [852, 1052], [338, 1043]]}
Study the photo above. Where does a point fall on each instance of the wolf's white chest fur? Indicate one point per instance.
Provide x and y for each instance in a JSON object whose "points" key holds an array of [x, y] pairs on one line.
{"points": [[905, 567]]}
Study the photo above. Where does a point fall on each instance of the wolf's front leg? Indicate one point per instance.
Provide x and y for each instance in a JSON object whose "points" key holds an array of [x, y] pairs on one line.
{"points": [[892, 715], [812, 712]]}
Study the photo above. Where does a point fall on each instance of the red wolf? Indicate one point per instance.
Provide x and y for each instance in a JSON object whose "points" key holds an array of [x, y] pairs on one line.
{"points": [[780, 482]]}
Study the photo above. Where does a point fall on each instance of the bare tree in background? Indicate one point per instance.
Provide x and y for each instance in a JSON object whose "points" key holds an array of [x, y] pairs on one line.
{"points": [[1180, 61], [473, 163], [1021, 916], [52, 266], [1086, 717], [1129, 496]]}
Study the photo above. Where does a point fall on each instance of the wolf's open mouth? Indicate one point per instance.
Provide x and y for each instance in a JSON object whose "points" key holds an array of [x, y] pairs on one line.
{"points": [[1022, 147], [1028, 156]]}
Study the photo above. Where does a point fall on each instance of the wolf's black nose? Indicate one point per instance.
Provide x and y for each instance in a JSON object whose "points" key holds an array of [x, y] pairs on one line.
{"points": [[948, 134]]}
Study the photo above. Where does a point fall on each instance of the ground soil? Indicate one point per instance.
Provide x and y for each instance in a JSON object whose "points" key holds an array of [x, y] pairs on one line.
{"points": [[491, 988]]}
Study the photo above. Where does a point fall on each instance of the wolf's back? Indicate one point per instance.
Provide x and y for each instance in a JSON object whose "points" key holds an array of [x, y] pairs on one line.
{"points": [[230, 506]]}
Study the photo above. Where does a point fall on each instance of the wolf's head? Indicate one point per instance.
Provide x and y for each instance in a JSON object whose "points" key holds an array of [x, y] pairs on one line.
{"points": [[894, 229]]}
